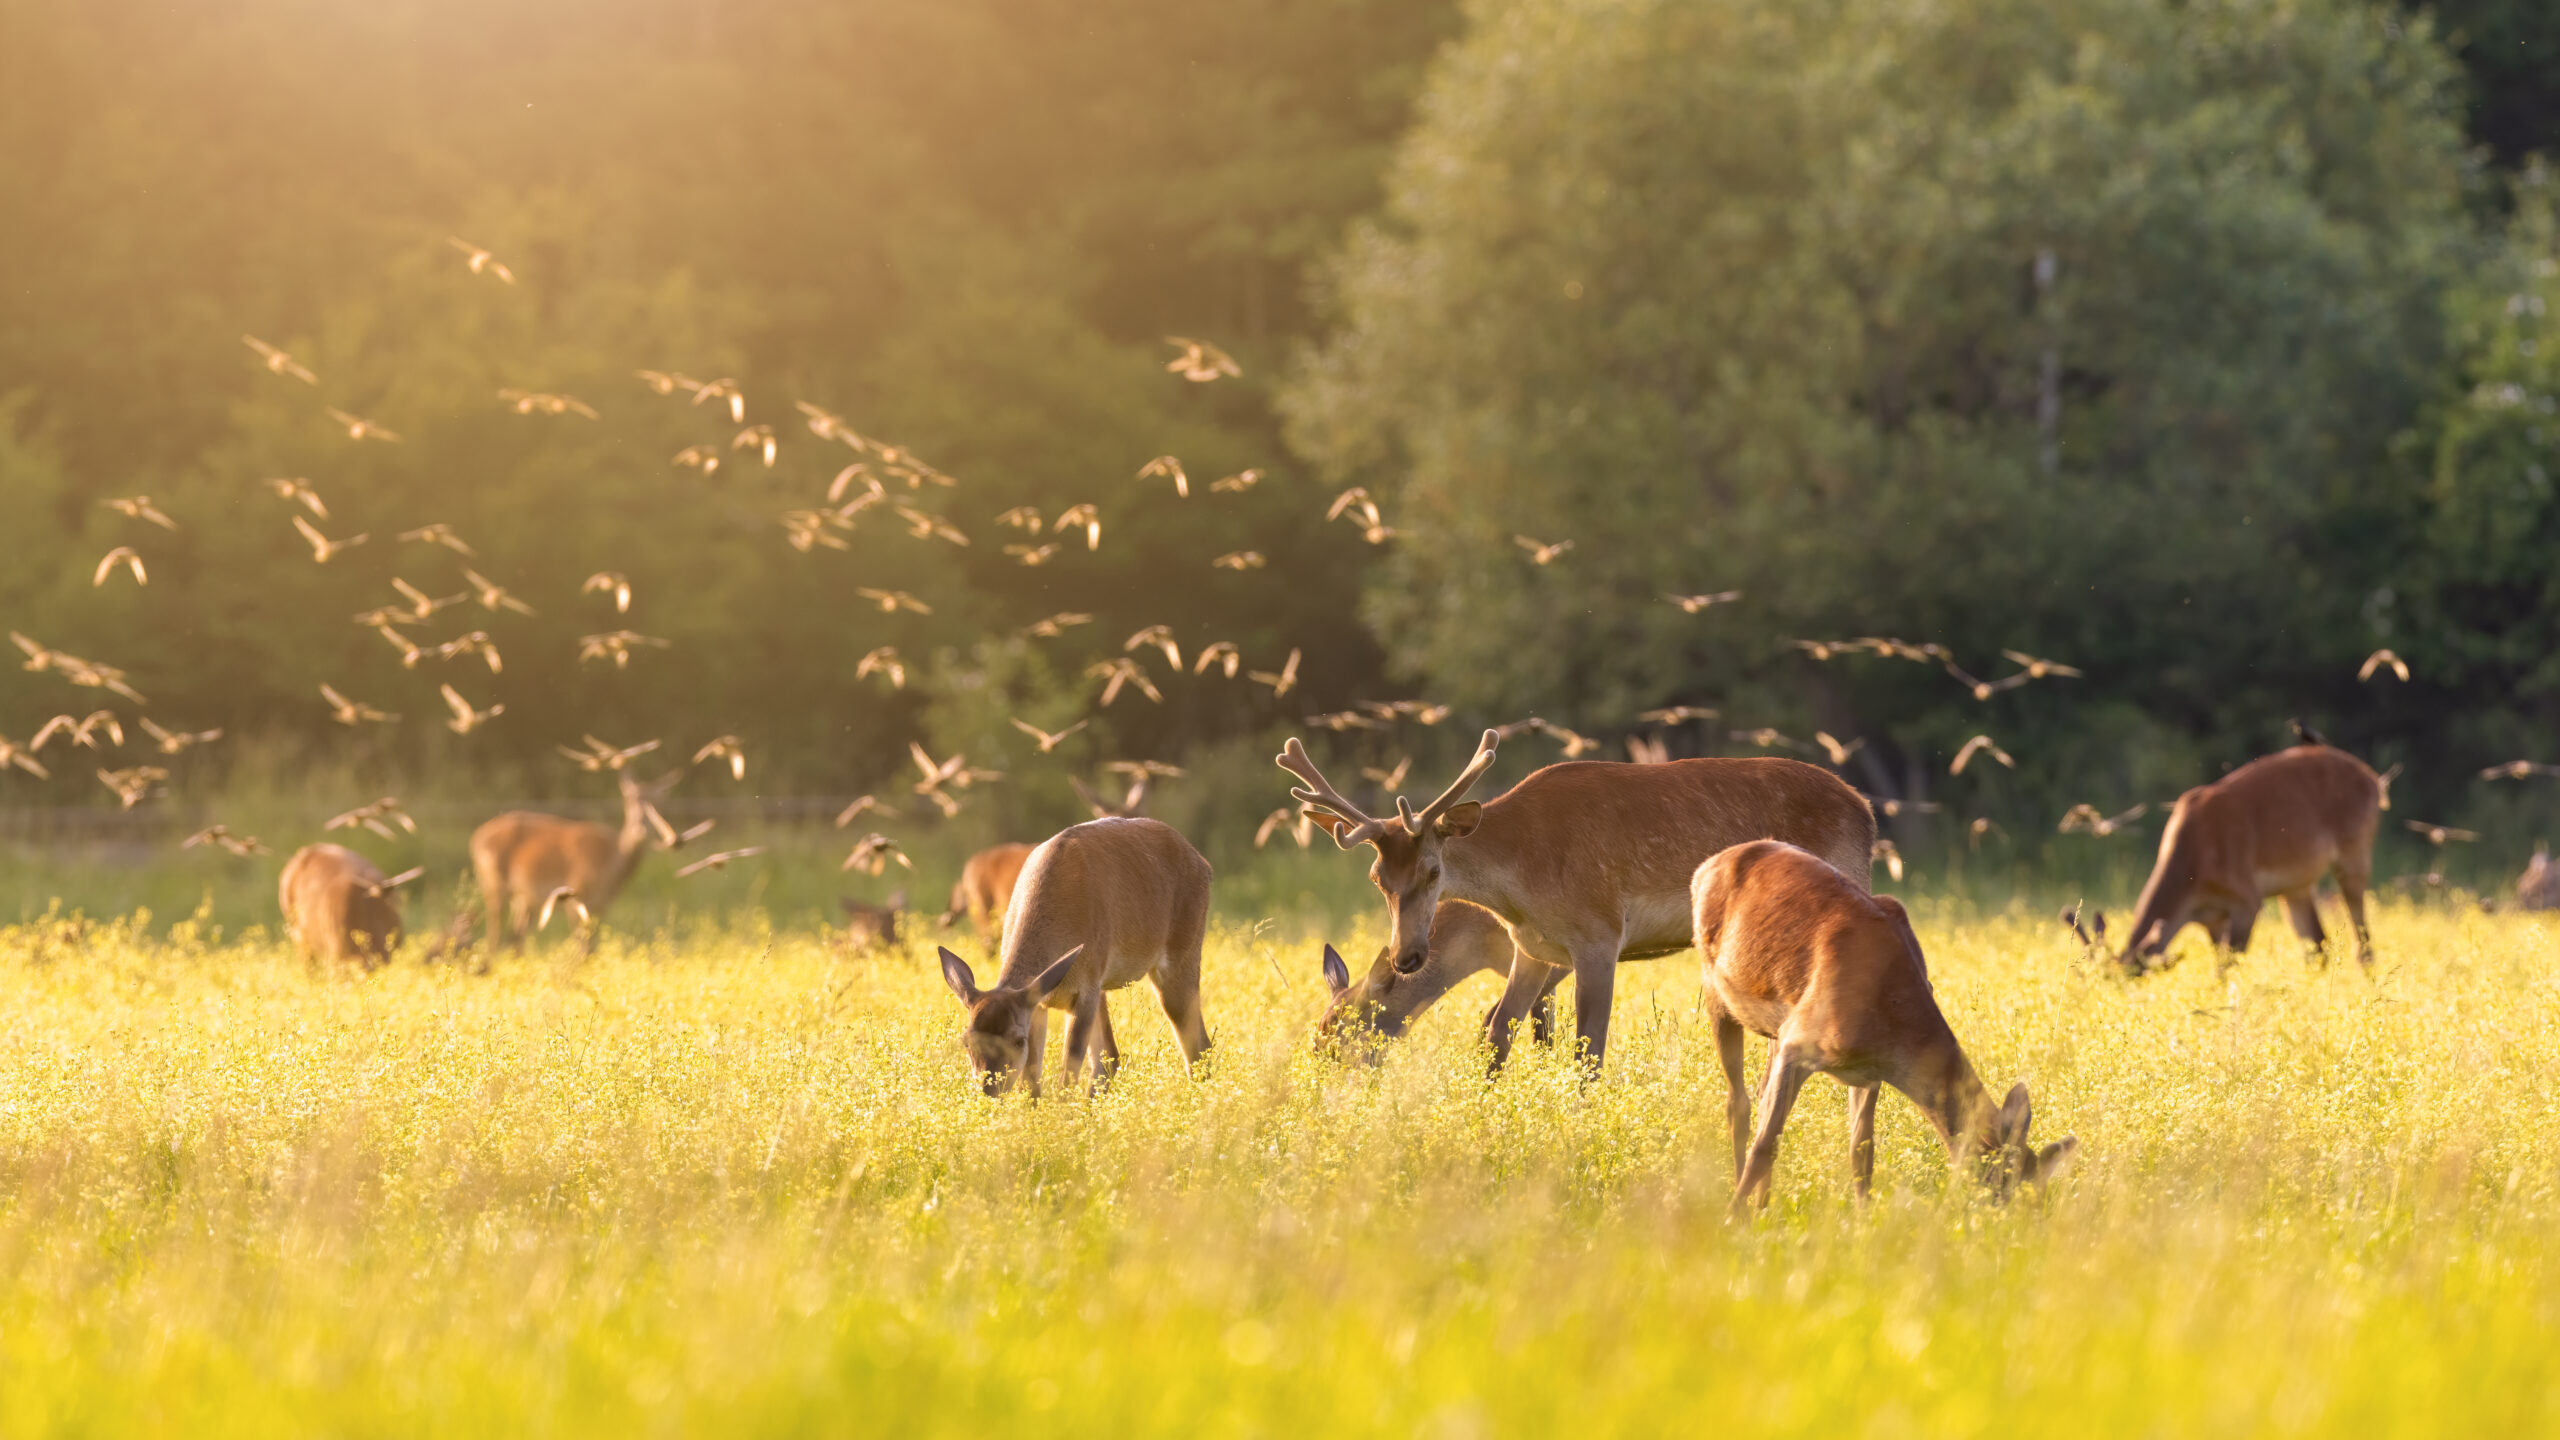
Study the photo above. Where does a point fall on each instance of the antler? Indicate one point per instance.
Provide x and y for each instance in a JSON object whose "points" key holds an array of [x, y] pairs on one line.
{"points": [[1321, 795], [1483, 761]]}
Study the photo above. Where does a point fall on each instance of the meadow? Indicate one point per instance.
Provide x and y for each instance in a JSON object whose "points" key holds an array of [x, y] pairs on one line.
{"points": [[732, 1178]]}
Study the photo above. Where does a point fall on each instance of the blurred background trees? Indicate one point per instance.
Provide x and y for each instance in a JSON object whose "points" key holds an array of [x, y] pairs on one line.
{"points": [[2194, 345]]}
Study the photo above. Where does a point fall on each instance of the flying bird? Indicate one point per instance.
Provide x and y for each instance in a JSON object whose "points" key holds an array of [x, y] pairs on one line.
{"points": [[616, 645], [2518, 770], [2039, 669], [725, 749], [1239, 560], [139, 507], [2439, 834], [352, 712], [1982, 826], [2380, 659], [862, 804], [1890, 854], [1022, 517], [476, 642], [1222, 653], [16, 756], [1540, 552], [1288, 819], [718, 860], [377, 816], [84, 731], [173, 742], [299, 492], [1118, 673], [1166, 466], [872, 854], [1088, 516], [465, 719], [600, 756], [277, 361], [1692, 604], [1044, 739], [611, 582], [1236, 484], [705, 458], [873, 493], [2086, 817], [1281, 683], [1678, 714], [1200, 362], [1575, 745], [124, 555], [323, 549], [893, 601], [243, 846], [1838, 751], [1648, 750], [1390, 781], [537, 402], [808, 529], [883, 661], [723, 389], [758, 438], [491, 594], [359, 428], [1768, 738], [1032, 555], [439, 534], [1161, 637], [1055, 625], [133, 785], [1985, 689], [480, 261], [1980, 745]]}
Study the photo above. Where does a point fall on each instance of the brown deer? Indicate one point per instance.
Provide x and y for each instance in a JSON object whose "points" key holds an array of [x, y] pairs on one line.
{"points": [[338, 907], [1465, 940], [986, 888], [2538, 888], [1796, 952], [1101, 905], [1584, 862], [867, 926], [2274, 826], [523, 858]]}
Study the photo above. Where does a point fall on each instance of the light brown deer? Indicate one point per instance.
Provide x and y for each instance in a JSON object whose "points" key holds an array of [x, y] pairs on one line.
{"points": [[338, 907], [1833, 977], [986, 888], [1466, 940], [523, 858], [1101, 905], [867, 926], [2274, 826], [1584, 862]]}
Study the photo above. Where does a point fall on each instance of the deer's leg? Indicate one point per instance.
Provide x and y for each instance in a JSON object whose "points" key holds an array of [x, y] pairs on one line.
{"points": [[1082, 1023], [1787, 1072], [1542, 1016], [1595, 983], [2304, 911], [1862, 1138], [1737, 1091], [1106, 1059], [2355, 873], [1531, 979]]}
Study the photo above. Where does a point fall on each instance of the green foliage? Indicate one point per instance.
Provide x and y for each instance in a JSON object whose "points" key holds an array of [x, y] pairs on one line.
{"points": [[1743, 297]]}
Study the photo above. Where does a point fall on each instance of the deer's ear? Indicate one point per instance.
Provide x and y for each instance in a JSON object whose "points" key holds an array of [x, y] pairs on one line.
{"points": [[955, 973], [2054, 1158], [2016, 1113], [1337, 976], [1459, 820], [1047, 981]]}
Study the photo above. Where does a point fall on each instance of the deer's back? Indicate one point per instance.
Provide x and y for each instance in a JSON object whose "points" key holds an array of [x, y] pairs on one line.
{"points": [[1786, 939], [1119, 887], [1586, 827], [2279, 818], [528, 849], [328, 894]]}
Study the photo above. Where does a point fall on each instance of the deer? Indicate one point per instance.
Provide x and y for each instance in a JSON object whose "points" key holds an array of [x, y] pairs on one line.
{"points": [[985, 888], [867, 926], [1465, 940], [1584, 862], [1833, 977], [523, 859], [2538, 888], [2275, 826], [1100, 905], [338, 907]]}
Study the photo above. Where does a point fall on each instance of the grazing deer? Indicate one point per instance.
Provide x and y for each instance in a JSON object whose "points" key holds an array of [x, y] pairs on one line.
{"points": [[1584, 862], [986, 888], [1465, 940], [867, 926], [338, 907], [2538, 888], [2274, 826], [1100, 905], [1795, 951], [523, 858]]}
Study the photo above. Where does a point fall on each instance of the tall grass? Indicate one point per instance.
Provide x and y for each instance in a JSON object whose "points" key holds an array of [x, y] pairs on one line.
{"points": [[738, 1182]]}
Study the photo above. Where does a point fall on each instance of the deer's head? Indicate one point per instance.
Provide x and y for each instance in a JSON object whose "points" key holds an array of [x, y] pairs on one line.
{"points": [[1407, 869], [998, 1037], [2003, 1156]]}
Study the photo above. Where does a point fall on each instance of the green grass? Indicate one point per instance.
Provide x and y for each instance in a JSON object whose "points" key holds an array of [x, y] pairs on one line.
{"points": [[732, 1182]]}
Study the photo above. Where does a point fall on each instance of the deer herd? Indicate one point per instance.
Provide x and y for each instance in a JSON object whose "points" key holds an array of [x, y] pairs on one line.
{"points": [[1760, 865]]}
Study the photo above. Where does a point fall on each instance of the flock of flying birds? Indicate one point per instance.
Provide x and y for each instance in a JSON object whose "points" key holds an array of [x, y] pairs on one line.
{"points": [[866, 484]]}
